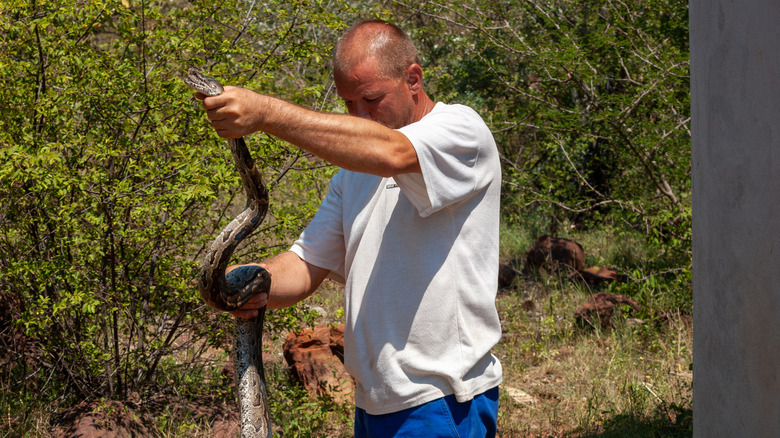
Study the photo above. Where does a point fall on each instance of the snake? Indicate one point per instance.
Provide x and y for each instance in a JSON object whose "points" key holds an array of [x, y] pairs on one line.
{"points": [[228, 292]]}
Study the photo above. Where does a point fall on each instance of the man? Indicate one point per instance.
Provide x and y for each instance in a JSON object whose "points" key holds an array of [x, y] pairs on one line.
{"points": [[410, 225]]}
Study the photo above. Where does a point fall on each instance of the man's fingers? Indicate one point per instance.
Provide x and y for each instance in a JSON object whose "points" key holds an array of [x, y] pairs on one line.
{"points": [[226, 133], [223, 122], [214, 114], [250, 309], [230, 113], [256, 302]]}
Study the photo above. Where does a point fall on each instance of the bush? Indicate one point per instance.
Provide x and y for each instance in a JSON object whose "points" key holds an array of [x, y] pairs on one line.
{"points": [[112, 183]]}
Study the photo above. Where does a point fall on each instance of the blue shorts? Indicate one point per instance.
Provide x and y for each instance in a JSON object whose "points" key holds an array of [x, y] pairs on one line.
{"points": [[440, 418]]}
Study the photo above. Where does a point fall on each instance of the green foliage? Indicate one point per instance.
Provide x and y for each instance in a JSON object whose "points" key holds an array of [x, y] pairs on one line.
{"points": [[589, 102], [112, 182], [300, 415]]}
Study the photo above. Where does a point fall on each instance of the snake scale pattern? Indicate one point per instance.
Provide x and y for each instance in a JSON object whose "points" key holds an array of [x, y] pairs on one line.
{"points": [[231, 291]]}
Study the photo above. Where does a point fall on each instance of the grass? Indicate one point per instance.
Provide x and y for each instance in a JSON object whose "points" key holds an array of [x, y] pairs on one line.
{"points": [[584, 382], [632, 380], [560, 379]]}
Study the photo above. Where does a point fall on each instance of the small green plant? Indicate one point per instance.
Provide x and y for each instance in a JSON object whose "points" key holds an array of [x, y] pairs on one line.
{"points": [[300, 415]]}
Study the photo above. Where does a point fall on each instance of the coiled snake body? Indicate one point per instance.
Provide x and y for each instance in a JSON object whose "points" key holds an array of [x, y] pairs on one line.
{"points": [[231, 291]]}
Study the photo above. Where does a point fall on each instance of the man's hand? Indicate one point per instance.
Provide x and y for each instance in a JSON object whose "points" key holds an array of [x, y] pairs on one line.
{"points": [[234, 113], [249, 310]]}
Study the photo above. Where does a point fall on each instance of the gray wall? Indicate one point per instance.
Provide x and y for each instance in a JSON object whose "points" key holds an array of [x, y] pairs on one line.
{"points": [[735, 91]]}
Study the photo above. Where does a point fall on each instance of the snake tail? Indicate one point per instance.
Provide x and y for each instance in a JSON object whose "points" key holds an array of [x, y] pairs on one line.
{"points": [[250, 379]]}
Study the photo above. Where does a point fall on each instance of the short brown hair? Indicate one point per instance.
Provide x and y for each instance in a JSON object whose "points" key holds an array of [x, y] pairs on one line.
{"points": [[388, 43]]}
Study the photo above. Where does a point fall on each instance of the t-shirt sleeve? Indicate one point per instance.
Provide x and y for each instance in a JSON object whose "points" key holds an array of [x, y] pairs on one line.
{"points": [[322, 242], [452, 146]]}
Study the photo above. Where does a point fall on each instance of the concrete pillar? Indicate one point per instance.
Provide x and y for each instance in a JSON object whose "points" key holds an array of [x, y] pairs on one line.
{"points": [[735, 92]]}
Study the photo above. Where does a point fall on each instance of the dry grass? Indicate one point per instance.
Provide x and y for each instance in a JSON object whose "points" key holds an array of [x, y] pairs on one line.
{"points": [[578, 380]]}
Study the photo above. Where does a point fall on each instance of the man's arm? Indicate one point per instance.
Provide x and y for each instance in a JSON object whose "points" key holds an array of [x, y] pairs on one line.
{"points": [[349, 142], [292, 280]]}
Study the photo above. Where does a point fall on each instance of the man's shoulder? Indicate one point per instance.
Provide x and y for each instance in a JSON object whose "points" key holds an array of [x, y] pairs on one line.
{"points": [[449, 116], [442, 108]]}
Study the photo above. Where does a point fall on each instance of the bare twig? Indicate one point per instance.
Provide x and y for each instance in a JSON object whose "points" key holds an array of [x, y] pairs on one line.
{"points": [[582, 178]]}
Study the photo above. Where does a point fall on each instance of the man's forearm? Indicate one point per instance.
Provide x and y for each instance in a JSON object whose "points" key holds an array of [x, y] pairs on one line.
{"points": [[349, 142], [292, 279]]}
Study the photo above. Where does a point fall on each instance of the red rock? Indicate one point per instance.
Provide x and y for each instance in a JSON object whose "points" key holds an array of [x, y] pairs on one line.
{"points": [[554, 253], [603, 304], [506, 275], [315, 359], [595, 275]]}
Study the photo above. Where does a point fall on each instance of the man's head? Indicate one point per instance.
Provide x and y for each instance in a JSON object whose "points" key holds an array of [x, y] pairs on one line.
{"points": [[377, 72], [386, 42]]}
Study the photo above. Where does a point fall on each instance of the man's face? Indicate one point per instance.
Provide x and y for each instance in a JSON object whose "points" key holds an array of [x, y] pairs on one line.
{"points": [[387, 101]]}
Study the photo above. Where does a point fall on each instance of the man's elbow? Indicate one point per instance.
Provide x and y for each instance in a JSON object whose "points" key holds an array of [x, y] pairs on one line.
{"points": [[400, 162]]}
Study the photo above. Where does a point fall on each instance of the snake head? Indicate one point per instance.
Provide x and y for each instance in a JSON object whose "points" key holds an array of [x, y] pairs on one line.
{"points": [[202, 83]]}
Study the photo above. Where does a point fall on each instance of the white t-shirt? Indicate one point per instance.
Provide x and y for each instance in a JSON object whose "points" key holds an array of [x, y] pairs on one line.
{"points": [[418, 254]]}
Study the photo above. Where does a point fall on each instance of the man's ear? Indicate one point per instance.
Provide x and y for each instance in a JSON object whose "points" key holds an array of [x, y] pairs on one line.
{"points": [[414, 77]]}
